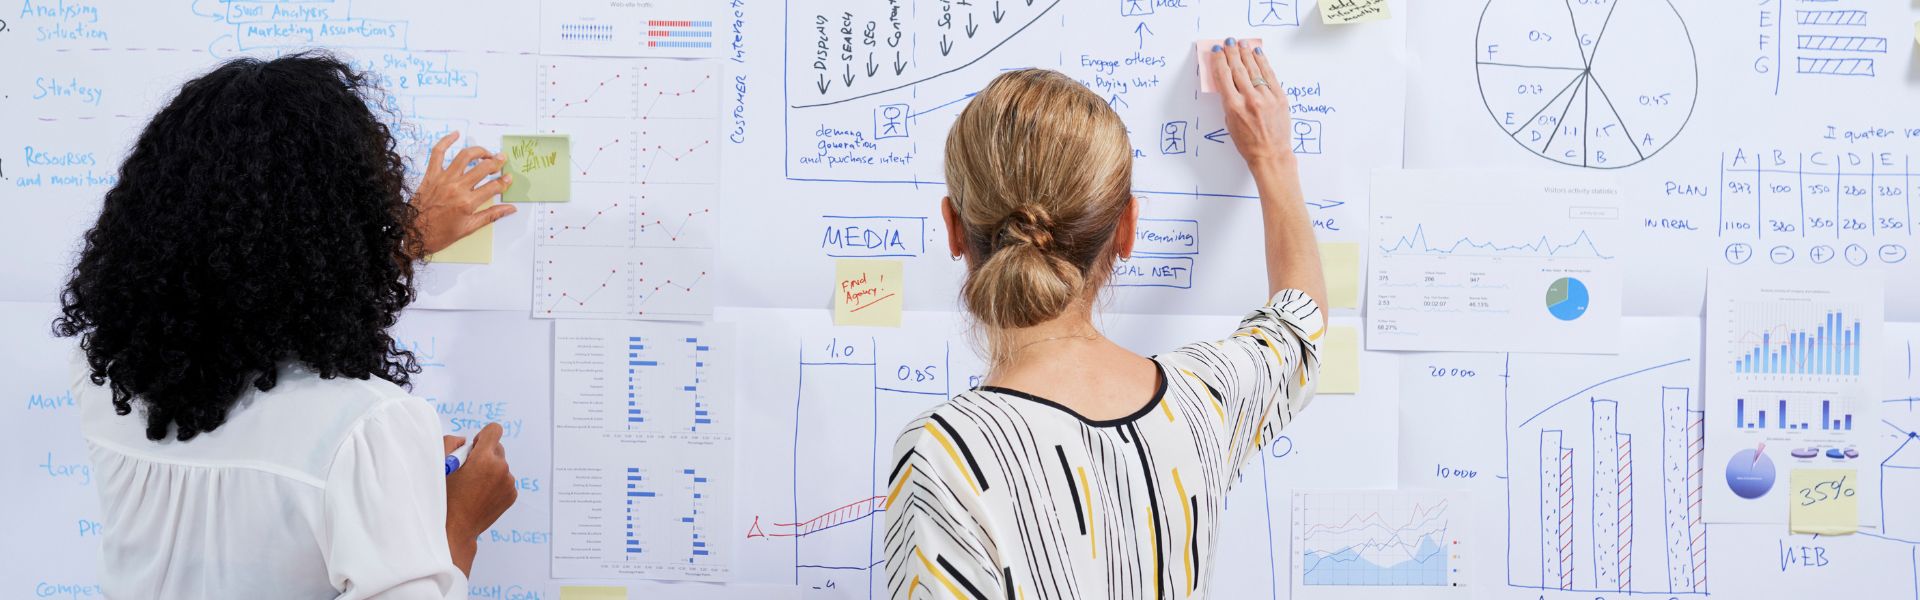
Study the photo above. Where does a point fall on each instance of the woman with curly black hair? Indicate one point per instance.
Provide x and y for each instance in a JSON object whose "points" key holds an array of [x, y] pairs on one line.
{"points": [[237, 291]]}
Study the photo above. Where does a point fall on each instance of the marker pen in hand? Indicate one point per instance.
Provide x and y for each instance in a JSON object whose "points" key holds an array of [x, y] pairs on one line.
{"points": [[459, 456]]}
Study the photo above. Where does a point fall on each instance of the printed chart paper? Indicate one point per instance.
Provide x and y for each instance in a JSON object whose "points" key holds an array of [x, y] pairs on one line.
{"points": [[1380, 543], [1494, 261], [1793, 361], [659, 28], [635, 240], [642, 450]]}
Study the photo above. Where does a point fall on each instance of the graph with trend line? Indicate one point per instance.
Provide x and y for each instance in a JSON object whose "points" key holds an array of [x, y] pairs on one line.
{"points": [[1379, 539], [636, 240], [1418, 242], [1505, 261]]}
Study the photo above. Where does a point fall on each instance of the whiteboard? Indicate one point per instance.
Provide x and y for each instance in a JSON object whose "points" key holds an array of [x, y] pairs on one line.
{"points": [[814, 158]]}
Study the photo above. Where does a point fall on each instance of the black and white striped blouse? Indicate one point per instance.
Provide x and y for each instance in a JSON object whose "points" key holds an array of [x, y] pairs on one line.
{"points": [[998, 494]]}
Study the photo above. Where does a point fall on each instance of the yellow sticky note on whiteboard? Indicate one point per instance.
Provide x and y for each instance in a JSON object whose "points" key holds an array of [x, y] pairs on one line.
{"points": [[1341, 263], [868, 292], [1823, 501], [593, 592], [1340, 361], [476, 249], [1342, 12]]}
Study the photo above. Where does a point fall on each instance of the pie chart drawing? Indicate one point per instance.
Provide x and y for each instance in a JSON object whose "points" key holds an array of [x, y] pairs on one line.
{"points": [[1567, 299], [1601, 84], [1750, 474]]}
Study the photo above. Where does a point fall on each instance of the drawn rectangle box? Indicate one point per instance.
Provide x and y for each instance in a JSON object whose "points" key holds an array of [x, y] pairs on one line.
{"points": [[891, 121], [1843, 43], [261, 12], [1273, 13], [348, 33], [1845, 67], [1136, 8], [1850, 18], [1154, 271], [1167, 237]]}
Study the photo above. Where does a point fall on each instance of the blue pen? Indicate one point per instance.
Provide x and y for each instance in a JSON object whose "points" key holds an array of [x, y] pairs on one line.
{"points": [[459, 456]]}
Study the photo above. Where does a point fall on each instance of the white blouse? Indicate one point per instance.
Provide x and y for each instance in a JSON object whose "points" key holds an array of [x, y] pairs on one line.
{"points": [[316, 489]]}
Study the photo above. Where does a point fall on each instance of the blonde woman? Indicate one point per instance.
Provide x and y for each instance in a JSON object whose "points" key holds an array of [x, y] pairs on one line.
{"points": [[1082, 470]]}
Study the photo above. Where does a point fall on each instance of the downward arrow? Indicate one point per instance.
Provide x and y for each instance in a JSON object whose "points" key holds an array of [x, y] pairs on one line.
{"points": [[871, 67], [824, 83], [970, 26], [945, 46], [1216, 135], [898, 67], [849, 76], [997, 13]]}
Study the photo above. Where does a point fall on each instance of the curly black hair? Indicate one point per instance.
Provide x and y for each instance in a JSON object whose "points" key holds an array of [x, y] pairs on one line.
{"points": [[261, 219]]}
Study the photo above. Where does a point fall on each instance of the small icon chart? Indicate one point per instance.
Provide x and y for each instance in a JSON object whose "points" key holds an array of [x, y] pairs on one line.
{"points": [[1600, 85], [1567, 299]]}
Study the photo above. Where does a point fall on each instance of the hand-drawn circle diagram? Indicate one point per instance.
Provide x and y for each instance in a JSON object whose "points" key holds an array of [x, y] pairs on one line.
{"points": [[1600, 84]]}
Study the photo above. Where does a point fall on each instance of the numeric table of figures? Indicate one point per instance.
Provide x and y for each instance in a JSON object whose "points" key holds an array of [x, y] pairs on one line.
{"points": [[1819, 208]]}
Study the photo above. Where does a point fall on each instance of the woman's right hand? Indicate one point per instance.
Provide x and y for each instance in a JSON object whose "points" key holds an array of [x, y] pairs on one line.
{"points": [[1258, 118], [478, 493]]}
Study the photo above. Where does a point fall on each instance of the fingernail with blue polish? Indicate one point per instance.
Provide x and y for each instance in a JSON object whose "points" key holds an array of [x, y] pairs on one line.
{"points": [[1229, 41], [1216, 47], [1260, 50]]}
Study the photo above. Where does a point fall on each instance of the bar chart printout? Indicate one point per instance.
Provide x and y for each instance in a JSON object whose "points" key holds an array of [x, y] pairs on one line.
{"points": [[643, 450], [1791, 383], [1379, 543]]}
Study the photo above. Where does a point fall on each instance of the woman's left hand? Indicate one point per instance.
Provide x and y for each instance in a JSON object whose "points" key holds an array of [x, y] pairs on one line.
{"points": [[450, 197]]}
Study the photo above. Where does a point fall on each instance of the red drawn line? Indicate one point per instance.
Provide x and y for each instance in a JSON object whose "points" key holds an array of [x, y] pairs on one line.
{"points": [[669, 283], [590, 95], [582, 302], [870, 304], [596, 157], [842, 514]]}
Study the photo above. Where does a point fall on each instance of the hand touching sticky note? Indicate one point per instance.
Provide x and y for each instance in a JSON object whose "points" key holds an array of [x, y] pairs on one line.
{"points": [[1205, 48], [868, 292], [541, 166], [1824, 501], [1343, 12]]}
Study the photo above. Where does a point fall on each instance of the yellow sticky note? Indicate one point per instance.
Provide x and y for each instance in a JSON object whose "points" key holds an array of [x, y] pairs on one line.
{"points": [[1341, 263], [476, 249], [1824, 501], [541, 166], [1342, 12], [868, 292], [1340, 361], [1916, 32], [593, 592]]}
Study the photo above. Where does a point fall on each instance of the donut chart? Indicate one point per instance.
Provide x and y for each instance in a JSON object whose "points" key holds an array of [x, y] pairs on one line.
{"points": [[1601, 84]]}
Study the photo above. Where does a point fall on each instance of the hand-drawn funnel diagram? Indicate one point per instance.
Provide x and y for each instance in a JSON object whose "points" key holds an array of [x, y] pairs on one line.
{"points": [[1600, 84], [871, 47]]}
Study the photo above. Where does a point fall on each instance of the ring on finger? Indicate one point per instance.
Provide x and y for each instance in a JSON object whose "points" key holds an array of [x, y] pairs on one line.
{"points": [[1259, 82]]}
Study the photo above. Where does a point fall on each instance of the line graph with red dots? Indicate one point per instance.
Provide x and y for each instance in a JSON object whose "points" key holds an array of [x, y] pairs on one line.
{"points": [[633, 121], [636, 239]]}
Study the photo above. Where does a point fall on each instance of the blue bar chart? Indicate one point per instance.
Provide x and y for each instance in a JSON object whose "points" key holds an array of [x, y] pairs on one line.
{"points": [[642, 450], [1833, 415], [1830, 348]]}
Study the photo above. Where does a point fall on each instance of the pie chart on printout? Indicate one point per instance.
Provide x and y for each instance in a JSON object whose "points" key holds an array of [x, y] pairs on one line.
{"points": [[1600, 84], [1567, 299]]}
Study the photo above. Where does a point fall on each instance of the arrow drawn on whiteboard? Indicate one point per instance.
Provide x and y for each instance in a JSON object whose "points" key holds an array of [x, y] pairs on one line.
{"points": [[872, 67], [997, 13], [898, 66], [825, 83], [1143, 31], [1216, 135], [1324, 204], [971, 28], [1116, 102]]}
